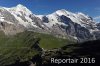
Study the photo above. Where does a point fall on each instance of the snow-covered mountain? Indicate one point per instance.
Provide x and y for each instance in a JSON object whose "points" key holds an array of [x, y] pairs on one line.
{"points": [[62, 23]]}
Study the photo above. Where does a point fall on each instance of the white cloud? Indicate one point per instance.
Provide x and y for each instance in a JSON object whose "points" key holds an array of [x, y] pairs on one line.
{"points": [[97, 18]]}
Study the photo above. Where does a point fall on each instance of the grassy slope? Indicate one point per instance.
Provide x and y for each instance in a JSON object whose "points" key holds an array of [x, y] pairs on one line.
{"points": [[19, 47], [50, 42], [86, 50], [16, 47]]}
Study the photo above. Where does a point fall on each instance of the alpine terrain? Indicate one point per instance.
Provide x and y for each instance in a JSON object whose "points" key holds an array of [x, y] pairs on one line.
{"points": [[62, 23], [27, 39]]}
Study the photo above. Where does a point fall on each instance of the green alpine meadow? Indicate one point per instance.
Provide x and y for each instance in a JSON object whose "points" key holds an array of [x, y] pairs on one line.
{"points": [[24, 46]]}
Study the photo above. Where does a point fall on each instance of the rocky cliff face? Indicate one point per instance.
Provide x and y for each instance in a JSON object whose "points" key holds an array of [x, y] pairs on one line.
{"points": [[62, 23]]}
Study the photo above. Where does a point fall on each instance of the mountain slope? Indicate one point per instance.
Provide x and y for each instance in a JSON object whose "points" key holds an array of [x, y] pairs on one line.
{"points": [[85, 50], [50, 42], [79, 26], [62, 23], [21, 47]]}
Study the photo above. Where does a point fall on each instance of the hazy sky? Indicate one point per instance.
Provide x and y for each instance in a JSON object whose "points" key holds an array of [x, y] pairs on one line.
{"points": [[90, 7]]}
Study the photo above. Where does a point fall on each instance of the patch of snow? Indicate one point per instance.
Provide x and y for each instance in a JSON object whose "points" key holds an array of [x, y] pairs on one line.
{"points": [[48, 24], [20, 20], [75, 37], [25, 24], [81, 15], [29, 19], [40, 16], [2, 19]]}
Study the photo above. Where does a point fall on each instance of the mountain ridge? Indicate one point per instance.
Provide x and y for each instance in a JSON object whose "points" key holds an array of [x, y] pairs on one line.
{"points": [[62, 23]]}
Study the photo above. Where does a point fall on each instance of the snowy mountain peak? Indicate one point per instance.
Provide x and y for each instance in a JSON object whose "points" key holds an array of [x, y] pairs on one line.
{"points": [[23, 8], [60, 23], [62, 12], [80, 14], [20, 5], [20, 10]]}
